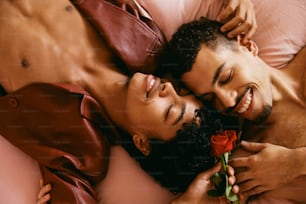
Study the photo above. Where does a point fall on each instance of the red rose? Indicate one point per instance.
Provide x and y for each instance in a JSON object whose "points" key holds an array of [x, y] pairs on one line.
{"points": [[223, 142]]}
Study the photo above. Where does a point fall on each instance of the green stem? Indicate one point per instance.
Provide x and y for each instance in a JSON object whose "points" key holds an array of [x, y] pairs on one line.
{"points": [[223, 162]]}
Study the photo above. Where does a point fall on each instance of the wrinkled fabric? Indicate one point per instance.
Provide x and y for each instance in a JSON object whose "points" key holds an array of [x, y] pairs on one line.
{"points": [[66, 131], [122, 24]]}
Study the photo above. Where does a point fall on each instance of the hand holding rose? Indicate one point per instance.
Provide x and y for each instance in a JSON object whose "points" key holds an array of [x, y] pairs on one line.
{"points": [[222, 143]]}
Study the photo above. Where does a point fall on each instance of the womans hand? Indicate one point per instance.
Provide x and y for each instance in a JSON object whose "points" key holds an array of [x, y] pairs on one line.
{"points": [[269, 167], [44, 193], [238, 17]]}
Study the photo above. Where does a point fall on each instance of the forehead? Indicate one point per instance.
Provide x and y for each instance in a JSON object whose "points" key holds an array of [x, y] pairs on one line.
{"points": [[210, 59], [206, 64]]}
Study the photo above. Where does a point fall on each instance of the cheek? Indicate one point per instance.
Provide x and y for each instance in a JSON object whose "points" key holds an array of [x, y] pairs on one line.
{"points": [[149, 114]]}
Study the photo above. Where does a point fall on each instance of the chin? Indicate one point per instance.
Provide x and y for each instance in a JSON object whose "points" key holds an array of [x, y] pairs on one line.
{"points": [[263, 116]]}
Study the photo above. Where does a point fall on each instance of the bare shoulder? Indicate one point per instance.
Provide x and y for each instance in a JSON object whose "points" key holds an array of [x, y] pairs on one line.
{"points": [[297, 69]]}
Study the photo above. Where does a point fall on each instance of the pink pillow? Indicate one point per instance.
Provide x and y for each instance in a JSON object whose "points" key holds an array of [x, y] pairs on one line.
{"points": [[281, 24], [127, 183], [19, 175]]}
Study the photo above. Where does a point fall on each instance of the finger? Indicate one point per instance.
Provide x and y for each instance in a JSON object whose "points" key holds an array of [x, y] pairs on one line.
{"points": [[251, 31], [210, 172], [235, 189], [248, 186], [44, 199], [241, 162], [233, 25], [202, 180], [41, 183], [44, 190], [240, 23], [227, 11], [231, 180], [245, 24], [243, 177], [255, 191], [230, 170], [252, 146]]}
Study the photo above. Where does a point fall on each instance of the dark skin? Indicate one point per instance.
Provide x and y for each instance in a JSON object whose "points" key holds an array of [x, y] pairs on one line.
{"points": [[56, 49], [286, 88]]}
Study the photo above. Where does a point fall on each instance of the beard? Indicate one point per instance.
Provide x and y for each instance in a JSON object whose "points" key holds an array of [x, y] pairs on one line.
{"points": [[263, 115]]}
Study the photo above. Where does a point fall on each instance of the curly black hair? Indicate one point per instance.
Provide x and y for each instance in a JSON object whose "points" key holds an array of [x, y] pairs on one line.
{"points": [[175, 164], [179, 56]]}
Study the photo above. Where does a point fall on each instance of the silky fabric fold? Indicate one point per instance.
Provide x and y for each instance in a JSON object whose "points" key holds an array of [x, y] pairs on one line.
{"points": [[134, 37], [66, 131]]}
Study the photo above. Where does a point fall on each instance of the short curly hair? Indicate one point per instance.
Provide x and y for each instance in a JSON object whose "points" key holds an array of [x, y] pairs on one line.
{"points": [[181, 52], [175, 164]]}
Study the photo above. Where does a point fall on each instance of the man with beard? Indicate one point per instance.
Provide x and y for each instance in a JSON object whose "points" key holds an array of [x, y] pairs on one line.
{"points": [[271, 103], [61, 101]]}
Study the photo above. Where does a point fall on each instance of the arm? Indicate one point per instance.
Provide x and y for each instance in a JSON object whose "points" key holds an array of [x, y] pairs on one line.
{"points": [[270, 166], [238, 17]]}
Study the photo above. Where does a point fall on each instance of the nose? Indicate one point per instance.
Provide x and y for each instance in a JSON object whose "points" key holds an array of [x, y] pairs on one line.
{"points": [[167, 89], [227, 97]]}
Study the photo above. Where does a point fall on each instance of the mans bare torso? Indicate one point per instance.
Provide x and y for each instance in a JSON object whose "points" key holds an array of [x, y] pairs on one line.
{"points": [[46, 41], [287, 129], [289, 124]]}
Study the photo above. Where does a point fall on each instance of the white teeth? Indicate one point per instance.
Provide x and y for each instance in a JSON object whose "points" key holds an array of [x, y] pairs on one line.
{"points": [[152, 82], [245, 105]]}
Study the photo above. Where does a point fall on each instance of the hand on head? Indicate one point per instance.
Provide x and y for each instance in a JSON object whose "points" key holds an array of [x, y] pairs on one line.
{"points": [[238, 17]]}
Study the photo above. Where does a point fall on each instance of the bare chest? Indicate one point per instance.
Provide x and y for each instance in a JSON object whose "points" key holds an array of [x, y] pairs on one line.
{"points": [[56, 45], [288, 130]]}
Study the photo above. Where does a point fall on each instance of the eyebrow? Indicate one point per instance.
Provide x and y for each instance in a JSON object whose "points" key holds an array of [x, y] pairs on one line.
{"points": [[183, 110], [217, 74]]}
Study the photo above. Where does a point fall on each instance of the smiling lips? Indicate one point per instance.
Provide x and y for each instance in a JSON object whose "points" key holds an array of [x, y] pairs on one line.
{"points": [[150, 84], [245, 102]]}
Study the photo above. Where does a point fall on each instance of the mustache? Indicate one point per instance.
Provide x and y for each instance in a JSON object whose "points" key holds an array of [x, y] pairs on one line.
{"points": [[239, 98]]}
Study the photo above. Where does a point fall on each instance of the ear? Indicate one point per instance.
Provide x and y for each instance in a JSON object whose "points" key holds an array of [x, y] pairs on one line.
{"points": [[142, 143], [250, 45]]}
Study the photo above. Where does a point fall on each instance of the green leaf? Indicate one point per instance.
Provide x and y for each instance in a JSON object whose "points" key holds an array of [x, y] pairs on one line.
{"points": [[216, 179], [219, 180], [230, 195], [214, 193]]}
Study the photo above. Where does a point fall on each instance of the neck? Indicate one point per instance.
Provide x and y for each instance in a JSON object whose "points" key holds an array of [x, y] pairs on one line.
{"points": [[285, 89], [108, 87]]}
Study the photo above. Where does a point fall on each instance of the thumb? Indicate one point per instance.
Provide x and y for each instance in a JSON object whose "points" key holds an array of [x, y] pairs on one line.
{"points": [[252, 146], [210, 172], [202, 180]]}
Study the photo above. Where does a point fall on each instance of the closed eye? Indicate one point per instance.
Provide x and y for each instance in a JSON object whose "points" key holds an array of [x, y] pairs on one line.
{"points": [[167, 112], [228, 77]]}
